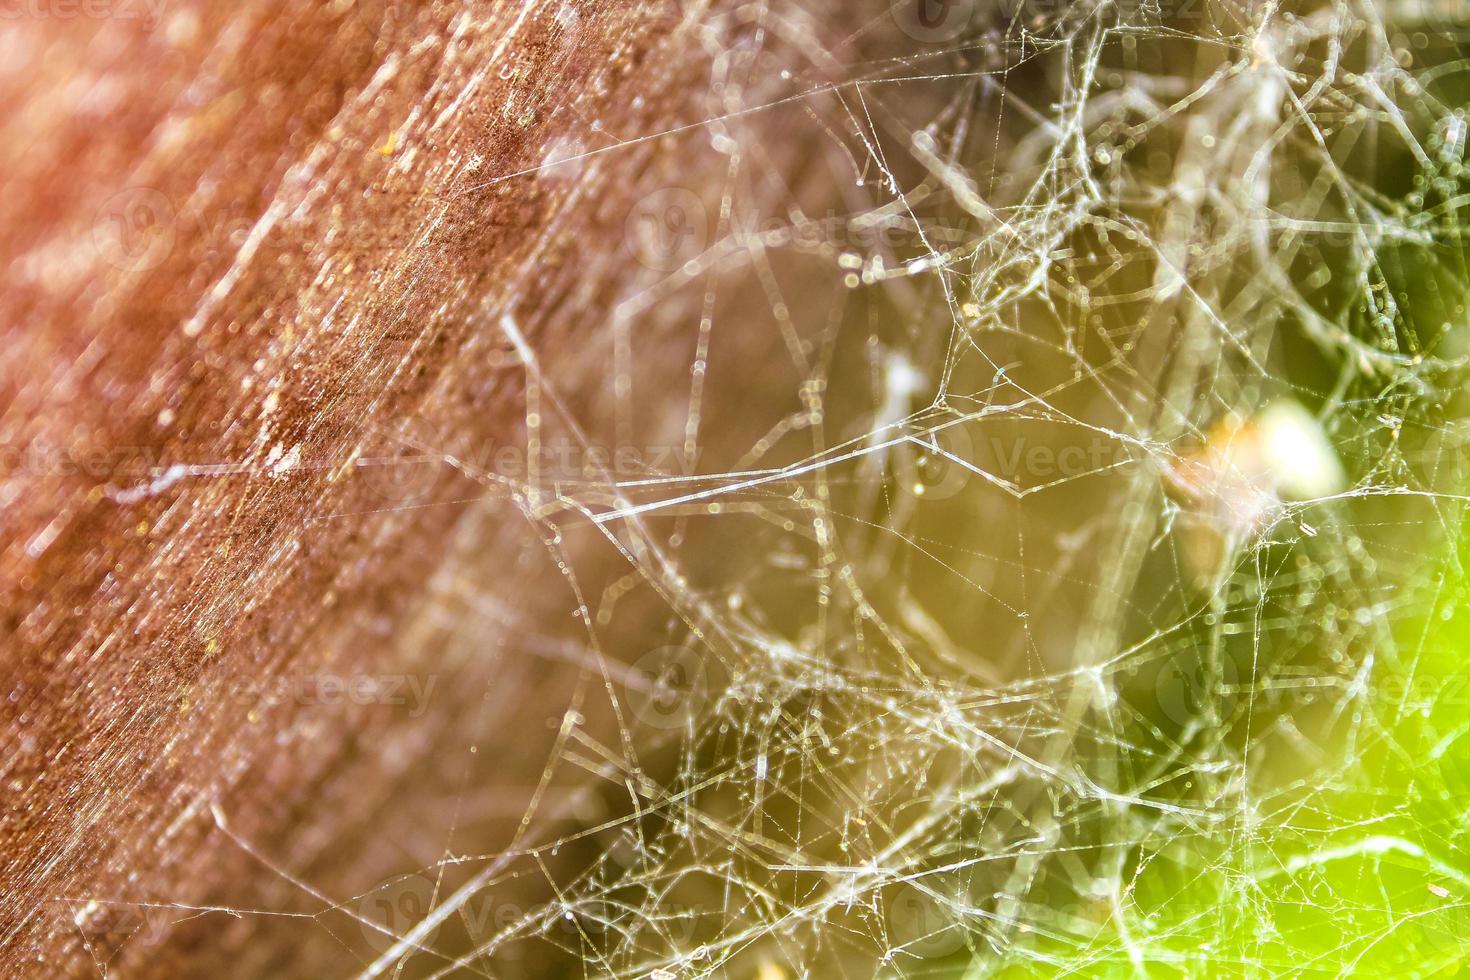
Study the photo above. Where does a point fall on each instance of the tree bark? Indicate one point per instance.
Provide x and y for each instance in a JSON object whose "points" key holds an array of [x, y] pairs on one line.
{"points": [[244, 243]]}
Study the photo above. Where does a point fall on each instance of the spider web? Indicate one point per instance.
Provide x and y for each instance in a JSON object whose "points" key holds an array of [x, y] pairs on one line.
{"points": [[940, 604]]}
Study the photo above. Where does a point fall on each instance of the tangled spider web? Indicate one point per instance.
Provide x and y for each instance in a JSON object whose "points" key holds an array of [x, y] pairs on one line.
{"points": [[1043, 414]]}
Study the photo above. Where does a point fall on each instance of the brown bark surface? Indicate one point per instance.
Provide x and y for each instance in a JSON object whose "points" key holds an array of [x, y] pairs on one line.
{"points": [[244, 243]]}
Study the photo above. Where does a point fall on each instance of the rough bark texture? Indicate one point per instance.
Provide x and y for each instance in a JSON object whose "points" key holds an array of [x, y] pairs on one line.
{"points": [[243, 243]]}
